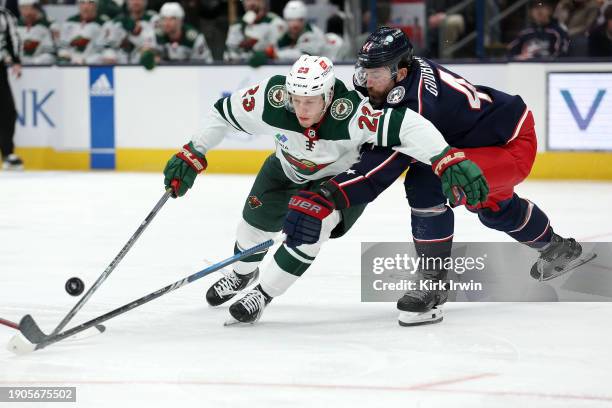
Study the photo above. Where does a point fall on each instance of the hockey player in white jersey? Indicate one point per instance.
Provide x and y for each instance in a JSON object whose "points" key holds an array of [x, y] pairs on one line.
{"points": [[180, 41], [301, 37], [319, 127], [37, 45], [81, 37], [258, 30], [131, 34]]}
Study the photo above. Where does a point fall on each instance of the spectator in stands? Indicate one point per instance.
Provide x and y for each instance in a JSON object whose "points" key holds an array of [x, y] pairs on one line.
{"points": [[81, 37], [444, 29], [180, 41], [544, 38], [256, 31], [577, 15], [336, 48], [37, 45], [130, 37], [110, 8], [603, 5], [600, 40], [300, 37]]}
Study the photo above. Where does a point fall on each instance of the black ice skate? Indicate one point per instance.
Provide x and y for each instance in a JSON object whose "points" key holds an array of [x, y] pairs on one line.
{"points": [[228, 286], [250, 308], [559, 257], [423, 304], [12, 162]]}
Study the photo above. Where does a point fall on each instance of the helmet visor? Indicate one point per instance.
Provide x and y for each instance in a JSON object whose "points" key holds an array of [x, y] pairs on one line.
{"points": [[380, 75]]}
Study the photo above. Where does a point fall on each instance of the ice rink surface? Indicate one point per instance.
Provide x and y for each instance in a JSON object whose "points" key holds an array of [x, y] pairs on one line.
{"points": [[317, 345]]}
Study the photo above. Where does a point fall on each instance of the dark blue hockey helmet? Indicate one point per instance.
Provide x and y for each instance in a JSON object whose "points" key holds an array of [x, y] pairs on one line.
{"points": [[386, 47]]}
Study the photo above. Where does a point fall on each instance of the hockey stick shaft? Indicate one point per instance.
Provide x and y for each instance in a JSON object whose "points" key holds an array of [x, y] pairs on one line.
{"points": [[9, 323], [111, 267], [154, 295]]}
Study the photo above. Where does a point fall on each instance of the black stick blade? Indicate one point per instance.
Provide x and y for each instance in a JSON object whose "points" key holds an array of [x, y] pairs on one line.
{"points": [[30, 330]]}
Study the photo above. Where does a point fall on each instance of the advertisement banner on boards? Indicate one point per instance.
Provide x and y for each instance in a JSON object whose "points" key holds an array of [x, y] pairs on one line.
{"points": [[52, 107], [579, 111]]}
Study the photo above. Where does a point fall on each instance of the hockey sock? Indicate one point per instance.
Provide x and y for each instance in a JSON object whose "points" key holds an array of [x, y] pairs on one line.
{"points": [[521, 219], [246, 237], [432, 231]]}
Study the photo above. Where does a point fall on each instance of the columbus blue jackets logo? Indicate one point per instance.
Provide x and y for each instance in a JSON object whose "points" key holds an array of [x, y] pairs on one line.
{"points": [[254, 202], [341, 108], [396, 95], [276, 96]]}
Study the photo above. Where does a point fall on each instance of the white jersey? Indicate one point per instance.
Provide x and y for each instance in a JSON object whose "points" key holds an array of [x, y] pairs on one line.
{"points": [[126, 38], [336, 49], [324, 150], [243, 38], [82, 42], [311, 41], [191, 46], [37, 45]]}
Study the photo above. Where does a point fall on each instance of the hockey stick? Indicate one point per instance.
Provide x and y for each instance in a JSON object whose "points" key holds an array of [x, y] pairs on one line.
{"points": [[19, 344], [9, 323], [32, 331], [86, 333]]}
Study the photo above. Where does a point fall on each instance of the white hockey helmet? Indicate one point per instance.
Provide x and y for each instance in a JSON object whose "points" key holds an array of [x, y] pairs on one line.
{"points": [[311, 75], [295, 10], [27, 2], [172, 9]]}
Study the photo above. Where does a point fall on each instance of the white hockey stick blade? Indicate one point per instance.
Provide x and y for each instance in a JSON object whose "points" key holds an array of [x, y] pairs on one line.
{"points": [[20, 345]]}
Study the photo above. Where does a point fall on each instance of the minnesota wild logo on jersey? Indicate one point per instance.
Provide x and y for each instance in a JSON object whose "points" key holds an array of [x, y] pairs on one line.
{"points": [[80, 43], [341, 108], [276, 96], [303, 166], [30, 46]]}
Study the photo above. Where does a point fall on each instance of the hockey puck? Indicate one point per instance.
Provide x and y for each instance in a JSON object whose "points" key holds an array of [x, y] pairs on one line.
{"points": [[74, 286]]}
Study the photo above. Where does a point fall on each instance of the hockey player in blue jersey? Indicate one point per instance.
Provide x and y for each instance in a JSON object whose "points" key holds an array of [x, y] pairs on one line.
{"points": [[493, 129]]}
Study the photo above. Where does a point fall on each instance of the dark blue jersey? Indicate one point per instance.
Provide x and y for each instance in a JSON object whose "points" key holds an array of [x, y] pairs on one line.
{"points": [[549, 41], [467, 115]]}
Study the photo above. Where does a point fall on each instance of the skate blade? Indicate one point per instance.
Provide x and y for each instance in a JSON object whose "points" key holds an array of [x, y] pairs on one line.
{"points": [[234, 322], [581, 260], [407, 319]]}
